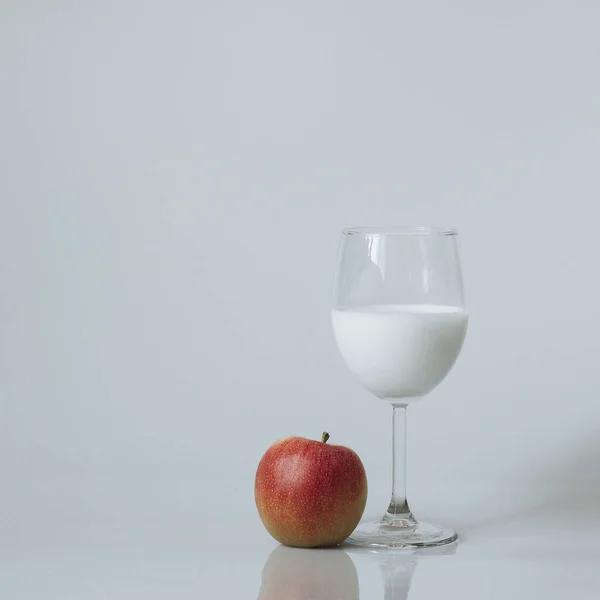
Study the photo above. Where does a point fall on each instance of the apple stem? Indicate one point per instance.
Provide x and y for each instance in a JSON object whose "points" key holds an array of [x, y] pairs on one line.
{"points": [[324, 437]]}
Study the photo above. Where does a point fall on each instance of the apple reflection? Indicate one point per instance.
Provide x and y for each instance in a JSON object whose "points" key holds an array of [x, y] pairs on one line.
{"points": [[302, 574]]}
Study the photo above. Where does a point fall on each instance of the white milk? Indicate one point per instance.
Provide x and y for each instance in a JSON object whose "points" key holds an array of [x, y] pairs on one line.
{"points": [[400, 351]]}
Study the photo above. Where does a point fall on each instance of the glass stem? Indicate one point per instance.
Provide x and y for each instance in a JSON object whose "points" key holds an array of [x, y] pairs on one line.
{"points": [[398, 513]]}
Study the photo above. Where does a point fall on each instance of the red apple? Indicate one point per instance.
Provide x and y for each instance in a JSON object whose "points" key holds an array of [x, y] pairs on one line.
{"points": [[310, 493]]}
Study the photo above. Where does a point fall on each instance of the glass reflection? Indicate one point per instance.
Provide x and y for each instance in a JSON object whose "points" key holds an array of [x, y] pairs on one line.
{"points": [[398, 566], [331, 574]]}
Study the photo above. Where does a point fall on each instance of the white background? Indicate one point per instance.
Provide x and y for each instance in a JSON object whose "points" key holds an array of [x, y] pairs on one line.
{"points": [[174, 178]]}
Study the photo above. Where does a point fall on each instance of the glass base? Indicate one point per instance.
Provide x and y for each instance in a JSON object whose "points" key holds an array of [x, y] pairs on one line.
{"points": [[379, 534]]}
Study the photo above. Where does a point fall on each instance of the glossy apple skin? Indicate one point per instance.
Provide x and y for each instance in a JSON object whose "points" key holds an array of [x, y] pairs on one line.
{"points": [[310, 494]]}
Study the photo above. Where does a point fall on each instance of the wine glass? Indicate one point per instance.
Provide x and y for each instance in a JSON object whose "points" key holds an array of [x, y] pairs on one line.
{"points": [[399, 320]]}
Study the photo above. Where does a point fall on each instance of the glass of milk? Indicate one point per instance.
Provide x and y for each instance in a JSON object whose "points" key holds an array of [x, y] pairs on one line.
{"points": [[399, 320]]}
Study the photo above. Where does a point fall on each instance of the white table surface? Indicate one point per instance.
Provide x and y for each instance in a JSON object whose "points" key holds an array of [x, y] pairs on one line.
{"points": [[198, 539]]}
